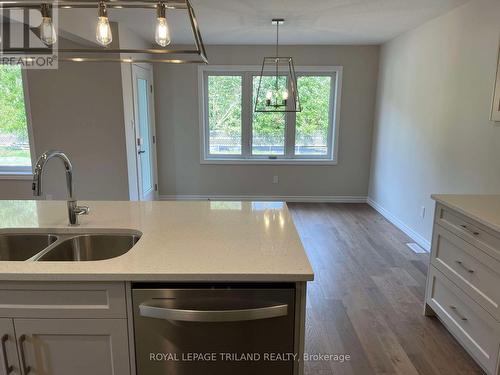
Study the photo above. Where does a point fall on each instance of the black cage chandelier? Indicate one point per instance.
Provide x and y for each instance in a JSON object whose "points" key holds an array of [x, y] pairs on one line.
{"points": [[277, 91], [104, 49]]}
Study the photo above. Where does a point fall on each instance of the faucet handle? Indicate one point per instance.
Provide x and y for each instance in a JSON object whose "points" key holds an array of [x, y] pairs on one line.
{"points": [[82, 210]]}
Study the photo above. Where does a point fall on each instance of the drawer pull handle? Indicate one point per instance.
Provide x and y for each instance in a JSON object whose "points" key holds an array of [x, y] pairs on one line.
{"points": [[455, 310], [460, 263], [469, 230], [6, 367], [26, 369]]}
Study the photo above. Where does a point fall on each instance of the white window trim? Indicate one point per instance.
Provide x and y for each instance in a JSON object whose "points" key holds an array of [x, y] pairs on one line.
{"points": [[247, 105], [18, 172]]}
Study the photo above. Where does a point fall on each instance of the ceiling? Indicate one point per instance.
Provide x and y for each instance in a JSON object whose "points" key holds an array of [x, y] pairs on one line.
{"points": [[307, 21]]}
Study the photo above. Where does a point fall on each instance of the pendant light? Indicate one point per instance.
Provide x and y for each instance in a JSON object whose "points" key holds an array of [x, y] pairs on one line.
{"points": [[162, 32], [104, 49], [103, 31], [47, 29], [277, 94]]}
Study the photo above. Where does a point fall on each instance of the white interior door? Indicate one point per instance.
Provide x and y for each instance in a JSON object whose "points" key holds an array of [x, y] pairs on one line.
{"points": [[147, 173]]}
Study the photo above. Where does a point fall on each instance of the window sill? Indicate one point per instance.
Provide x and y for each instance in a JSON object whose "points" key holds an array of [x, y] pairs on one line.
{"points": [[16, 176], [269, 161]]}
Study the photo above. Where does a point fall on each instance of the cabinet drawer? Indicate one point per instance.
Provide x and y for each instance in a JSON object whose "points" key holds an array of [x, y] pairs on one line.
{"points": [[471, 269], [470, 230], [477, 331], [62, 300]]}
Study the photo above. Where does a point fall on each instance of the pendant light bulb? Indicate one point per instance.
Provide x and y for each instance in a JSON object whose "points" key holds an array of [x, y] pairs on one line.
{"points": [[103, 31], [285, 97], [47, 29], [162, 32], [269, 96]]}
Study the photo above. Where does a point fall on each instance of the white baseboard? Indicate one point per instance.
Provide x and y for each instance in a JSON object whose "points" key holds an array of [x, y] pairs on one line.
{"points": [[400, 224], [285, 198]]}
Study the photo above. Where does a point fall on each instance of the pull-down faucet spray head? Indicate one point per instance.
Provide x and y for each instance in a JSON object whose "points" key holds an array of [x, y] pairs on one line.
{"points": [[73, 209]]}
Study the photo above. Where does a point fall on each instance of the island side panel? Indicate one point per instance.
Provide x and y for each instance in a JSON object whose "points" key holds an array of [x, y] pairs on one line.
{"points": [[130, 324], [300, 326]]}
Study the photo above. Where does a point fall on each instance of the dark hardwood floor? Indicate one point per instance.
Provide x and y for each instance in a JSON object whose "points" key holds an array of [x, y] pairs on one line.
{"points": [[367, 297]]}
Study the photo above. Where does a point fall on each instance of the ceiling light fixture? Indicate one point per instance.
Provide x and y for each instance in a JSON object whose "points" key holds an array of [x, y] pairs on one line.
{"points": [[105, 50], [162, 33], [104, 36], [277, 90], [47, 29]]}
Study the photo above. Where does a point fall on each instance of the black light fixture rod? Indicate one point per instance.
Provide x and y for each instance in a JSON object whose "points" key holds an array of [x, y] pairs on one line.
{"points": [[277, 60], [277, 22], [277, 37]]}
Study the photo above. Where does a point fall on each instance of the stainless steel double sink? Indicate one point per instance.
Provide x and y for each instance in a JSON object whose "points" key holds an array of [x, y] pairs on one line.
{"points": [[53, 246]]}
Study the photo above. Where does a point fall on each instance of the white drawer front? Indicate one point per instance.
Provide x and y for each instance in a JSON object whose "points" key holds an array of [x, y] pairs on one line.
{"points": [[62, 300], [466, 320], [469, 230], [471, 269]]}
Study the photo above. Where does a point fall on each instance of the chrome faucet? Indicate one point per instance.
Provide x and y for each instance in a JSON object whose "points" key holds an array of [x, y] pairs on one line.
{"points": [[73, 209]]}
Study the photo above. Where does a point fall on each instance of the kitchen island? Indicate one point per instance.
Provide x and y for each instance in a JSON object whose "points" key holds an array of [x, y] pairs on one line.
{"points": [[63, 316]]}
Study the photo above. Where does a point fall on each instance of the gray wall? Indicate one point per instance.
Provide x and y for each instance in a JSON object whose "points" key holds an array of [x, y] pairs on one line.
{"points": [[177, 124], [432, 132], [78, 109]]}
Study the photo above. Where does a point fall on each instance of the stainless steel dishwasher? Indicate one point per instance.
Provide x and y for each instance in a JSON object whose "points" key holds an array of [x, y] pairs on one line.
{"points": [[214, 330]]}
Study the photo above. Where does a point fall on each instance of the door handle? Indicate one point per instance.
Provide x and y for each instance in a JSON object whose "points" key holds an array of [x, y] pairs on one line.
{"points": [[150, 311], [26, 369], [454, 308], [141, 152], [6, 367], [473, 232], [461, 264]]}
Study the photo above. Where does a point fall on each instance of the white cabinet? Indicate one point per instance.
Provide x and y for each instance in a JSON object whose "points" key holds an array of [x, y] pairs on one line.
{"points": [[463, 284], [63, 328], [9, 364], [73, 346]]}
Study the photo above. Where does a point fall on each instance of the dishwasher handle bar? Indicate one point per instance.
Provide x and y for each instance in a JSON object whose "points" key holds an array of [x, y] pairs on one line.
{"points": [[240, 315]]}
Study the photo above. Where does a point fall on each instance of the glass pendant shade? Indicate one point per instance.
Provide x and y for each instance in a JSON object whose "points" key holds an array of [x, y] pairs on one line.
{"points": [[104, 35], [103, 32], [162, 32], [47, 30]]}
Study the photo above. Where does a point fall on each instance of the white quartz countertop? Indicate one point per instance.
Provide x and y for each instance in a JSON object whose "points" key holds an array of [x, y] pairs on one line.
{"points": [[181, 241], [482, 208]]}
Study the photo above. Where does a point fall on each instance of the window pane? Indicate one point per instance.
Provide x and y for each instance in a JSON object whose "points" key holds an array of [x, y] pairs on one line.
{"points": [[224, 115], [268, 129], [312, 124], [14, 144]]}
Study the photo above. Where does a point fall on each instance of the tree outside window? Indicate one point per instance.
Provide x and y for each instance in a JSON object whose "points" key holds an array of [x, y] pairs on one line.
{"points": [[14, 142]]}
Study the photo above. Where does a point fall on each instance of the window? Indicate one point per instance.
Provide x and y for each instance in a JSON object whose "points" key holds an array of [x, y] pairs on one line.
{"points": [[233, 133], [224, 115], [15, 156]]}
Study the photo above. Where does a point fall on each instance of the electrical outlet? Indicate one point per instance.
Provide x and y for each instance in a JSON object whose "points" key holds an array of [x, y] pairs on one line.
{"points": [[422, 213], [276, 180]]}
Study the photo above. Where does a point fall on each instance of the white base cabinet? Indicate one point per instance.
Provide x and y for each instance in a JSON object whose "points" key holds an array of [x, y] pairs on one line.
{"points": [[73, 346], [64, 340], [9, 364], [463, 284]]}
